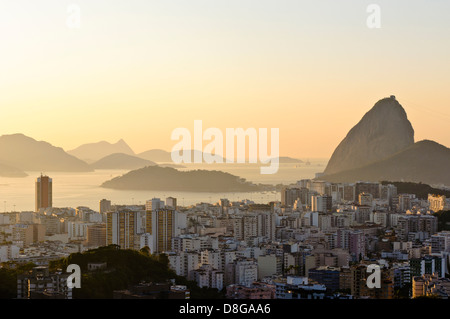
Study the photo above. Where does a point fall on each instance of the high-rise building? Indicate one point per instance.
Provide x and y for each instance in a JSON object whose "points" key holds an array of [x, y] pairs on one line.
{"points": [[161, 224], [365, 199], [154, 204], [44, 192], [171, 202], [368, 187], [96, 235], [290, 194], [105, 206], [121, 228], [321, 203]]}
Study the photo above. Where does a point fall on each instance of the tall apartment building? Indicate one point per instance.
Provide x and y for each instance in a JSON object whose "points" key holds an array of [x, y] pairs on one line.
{"points": [[171, 202], [44, 192], [290, 194], [96, 235], [365, 199], [154, 204], [104, 206], [161, 224], [368, 187], [321, 203], [121, 228]]}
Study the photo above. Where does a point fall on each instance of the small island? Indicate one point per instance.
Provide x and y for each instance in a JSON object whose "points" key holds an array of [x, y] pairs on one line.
{"points": [[158, 178]]}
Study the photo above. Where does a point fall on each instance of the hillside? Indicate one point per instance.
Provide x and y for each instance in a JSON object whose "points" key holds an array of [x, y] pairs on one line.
{"points": [[9, 171], [121, 161], [92, 152], [23, 153], [166, 178], [383, 131], [125, 267], [425, 161]]}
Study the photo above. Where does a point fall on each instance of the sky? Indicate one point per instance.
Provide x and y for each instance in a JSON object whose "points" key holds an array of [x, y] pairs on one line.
{"points": [[138, 69]]}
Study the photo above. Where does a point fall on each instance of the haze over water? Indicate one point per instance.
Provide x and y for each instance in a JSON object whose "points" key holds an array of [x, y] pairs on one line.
{"points": [[83, 189]]}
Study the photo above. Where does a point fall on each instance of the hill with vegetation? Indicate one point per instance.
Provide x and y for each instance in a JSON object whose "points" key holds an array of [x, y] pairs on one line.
{"points": [[125, 267], [166, 178], [419, 189]]}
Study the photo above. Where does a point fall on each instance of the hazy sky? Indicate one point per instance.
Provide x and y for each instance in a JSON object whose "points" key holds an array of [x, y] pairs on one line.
{"points": [[139, 69]]}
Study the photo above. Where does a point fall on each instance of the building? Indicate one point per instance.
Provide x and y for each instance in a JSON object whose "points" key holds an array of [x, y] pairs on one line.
{"points": [[208, 276], [184, 263], [326, 275], [96, 235], [8, 252], [44, 192], [365, 199], [368, 188], [321, 203], [171, 202], [161, 224], [438, 202], [154, 204], [153, 291], [440, 242], [104, 206], [290, 194], [39, 283], [257, 290], [243, 271], [429, 264], [269, 265], [28, 234], [121, 228], [356, 244], [430, 285], [294, 287]]}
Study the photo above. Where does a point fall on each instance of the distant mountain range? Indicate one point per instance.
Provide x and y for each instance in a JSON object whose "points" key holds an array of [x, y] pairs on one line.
{"points": [[121, 161], [166, 178], [381, 147], [19, 153], [92, 152]]}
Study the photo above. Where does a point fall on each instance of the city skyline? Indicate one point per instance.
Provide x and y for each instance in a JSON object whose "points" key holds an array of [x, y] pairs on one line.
{"points": [[140, 71]]}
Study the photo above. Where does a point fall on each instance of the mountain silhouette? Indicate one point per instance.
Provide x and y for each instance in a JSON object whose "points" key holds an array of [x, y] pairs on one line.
{"points": [[92, 152], [381, 147], [165, 178], [383, 131], [423, 162], [121, 161], [26, 154]]}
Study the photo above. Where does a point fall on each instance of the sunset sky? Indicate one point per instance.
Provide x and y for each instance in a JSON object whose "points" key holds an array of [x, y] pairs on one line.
{"points": [[139, 69]]}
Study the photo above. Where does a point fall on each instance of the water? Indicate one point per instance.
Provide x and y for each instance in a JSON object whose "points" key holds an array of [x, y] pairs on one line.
{"points": [[83, 189]]}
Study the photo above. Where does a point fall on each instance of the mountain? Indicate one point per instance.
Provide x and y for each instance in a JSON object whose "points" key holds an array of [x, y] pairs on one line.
{"points": [[92, 152], [156, 155], [382, 132], [425, 161], [158, 178], [9, 171], [121, 161], [26, 154]]}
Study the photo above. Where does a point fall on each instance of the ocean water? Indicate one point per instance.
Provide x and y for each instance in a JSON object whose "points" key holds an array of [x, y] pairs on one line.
{"points": [[83, 189]]}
